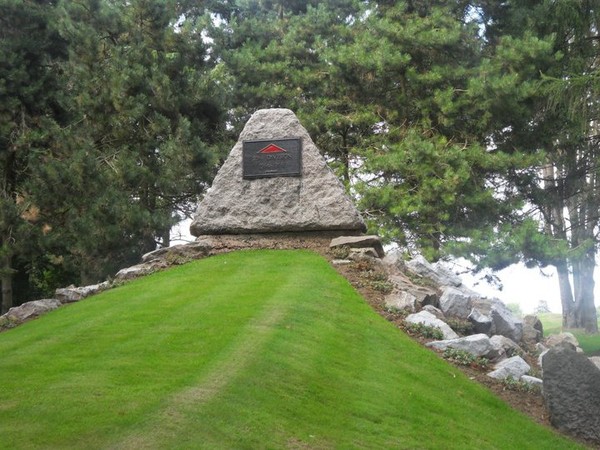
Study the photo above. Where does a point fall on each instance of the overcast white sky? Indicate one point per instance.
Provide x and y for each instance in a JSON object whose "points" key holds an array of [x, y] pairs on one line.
{"points": [[521, 285]]}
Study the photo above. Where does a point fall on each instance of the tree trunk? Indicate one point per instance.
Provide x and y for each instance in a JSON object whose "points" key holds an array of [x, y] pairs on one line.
{"points": [[166, 238], [566, 295], [585, 310], [345, 159], [6, 278]]}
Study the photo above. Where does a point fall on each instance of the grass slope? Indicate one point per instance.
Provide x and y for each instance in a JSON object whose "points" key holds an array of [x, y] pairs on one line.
{"points": [[258, 349]]}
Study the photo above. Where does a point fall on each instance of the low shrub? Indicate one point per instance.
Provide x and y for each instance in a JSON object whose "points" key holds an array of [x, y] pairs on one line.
{"points": [[464, 358], [510, 384], [383, 286], [425, 331]]}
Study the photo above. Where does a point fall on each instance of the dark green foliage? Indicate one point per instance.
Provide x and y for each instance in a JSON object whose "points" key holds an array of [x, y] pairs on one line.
{"points": [[384, 91], [108, 125], [33, 108], [545, 53]]}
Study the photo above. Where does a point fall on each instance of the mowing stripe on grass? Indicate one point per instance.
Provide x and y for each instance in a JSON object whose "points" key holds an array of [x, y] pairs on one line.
{"points": [[228, 366], [262, 349]]}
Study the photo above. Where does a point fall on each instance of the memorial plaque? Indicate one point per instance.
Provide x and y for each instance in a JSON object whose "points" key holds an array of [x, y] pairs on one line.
{"points": [[272, 158]]}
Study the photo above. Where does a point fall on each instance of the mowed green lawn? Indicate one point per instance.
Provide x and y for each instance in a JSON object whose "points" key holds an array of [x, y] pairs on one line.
{"points": [[249, 350]]}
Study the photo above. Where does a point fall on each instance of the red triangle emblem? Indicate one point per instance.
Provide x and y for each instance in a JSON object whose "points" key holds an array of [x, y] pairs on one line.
{"points": [[272, 148]]}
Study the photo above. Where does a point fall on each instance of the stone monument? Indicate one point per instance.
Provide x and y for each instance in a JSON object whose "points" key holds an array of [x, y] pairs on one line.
{"points": [[275, 181]]}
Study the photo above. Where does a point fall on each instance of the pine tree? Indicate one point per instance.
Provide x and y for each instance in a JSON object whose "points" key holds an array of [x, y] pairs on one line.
{"points": [[32, 110], [428, 178], [108, 123], [383, 88], [547, 55], [279, 54], [147, 116]]}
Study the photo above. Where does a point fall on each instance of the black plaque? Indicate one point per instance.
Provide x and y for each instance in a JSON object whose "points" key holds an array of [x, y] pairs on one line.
{"points": [[272, 158]]}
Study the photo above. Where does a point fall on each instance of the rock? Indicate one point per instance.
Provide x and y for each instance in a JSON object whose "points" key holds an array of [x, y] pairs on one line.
{"points": [[435, 311], [481, 317], [341, 262], [400, 301], [504, 322], [438, 274], [455, 303], [361, 253], [140, 270], [394, 260], [555, 340], [29, 310], [446, 277], [538, 382], [179, 254], [369, 241], [476, 344], [505, 347], [514, 368], [491, 316], [572, 392], [533, 330], [595, 360], [430, 320], [540, 348], [72, 294], [541, 357], [424, 295], [314, 201]]}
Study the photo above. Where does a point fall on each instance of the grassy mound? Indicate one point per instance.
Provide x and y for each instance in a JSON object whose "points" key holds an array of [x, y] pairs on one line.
{"points": [[260, 349]]}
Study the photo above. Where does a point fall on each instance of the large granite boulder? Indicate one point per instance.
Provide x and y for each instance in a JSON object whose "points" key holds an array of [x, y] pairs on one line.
{"points": [[480, 316], [562, 339], [533, 330], [504, 322], [360, 242], [400, 301], [476, 344], [514, 368], [491, 316], [73, 293], [456, 302], [428, 319], [505, 347], [29, 310], [571, 388], [435, 272], [314, 201]]}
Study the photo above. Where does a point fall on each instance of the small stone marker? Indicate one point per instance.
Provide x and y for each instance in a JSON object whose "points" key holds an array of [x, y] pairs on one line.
{"points": [[275, 180]]}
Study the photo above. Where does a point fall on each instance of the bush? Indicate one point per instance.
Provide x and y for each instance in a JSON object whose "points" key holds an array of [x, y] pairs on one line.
{"points": [[425, 331], [510, 384], [464, 358]]}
